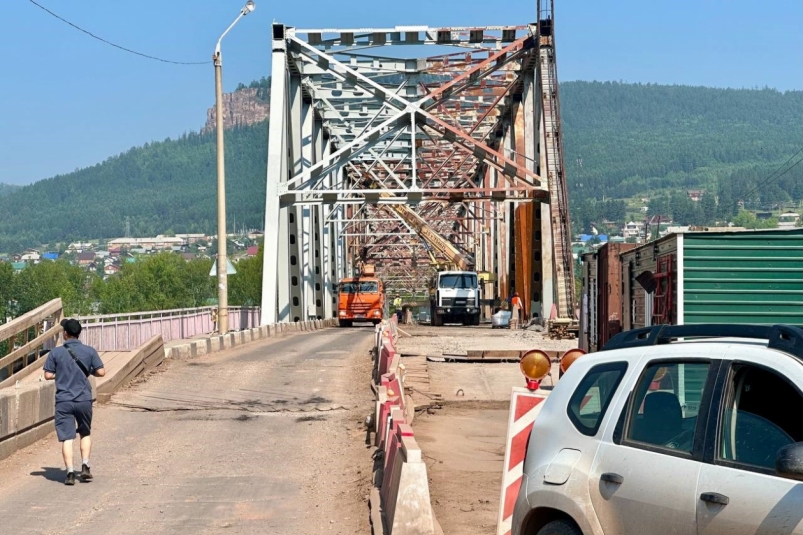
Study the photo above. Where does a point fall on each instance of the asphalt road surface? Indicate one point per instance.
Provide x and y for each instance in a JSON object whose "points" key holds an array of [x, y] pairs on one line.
{"points": [[262, 439]]}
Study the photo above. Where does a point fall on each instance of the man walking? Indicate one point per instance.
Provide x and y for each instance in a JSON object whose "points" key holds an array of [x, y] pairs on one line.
{"points": [[71, 365]]}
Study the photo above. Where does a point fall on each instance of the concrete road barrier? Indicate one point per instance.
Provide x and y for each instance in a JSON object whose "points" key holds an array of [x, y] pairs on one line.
{"points": [[407, 502], [400, 505]]}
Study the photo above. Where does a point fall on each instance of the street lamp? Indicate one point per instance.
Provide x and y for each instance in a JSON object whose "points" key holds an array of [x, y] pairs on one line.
{"points": [[222, 273]]}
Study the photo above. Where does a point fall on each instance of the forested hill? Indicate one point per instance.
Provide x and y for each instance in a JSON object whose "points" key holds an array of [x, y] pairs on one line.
{"points": [[5, 189], [635, 138], [162, 187], [632, 139]]}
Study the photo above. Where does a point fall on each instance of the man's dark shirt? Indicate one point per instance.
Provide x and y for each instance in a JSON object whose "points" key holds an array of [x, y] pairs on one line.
{"points": [[71, 383]]}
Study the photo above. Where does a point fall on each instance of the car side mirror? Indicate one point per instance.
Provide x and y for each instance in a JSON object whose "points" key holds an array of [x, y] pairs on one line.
{"points": [[789, 461]]}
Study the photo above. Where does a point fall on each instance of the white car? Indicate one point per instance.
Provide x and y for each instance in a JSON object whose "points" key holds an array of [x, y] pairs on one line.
{"points": [[655, 436]]}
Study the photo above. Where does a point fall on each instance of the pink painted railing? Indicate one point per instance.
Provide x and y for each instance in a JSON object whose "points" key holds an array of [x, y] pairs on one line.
{"points": [[126, 332]]}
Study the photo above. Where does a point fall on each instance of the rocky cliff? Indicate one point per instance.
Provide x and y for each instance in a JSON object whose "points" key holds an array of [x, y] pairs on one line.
{"points": [[241, 108]]}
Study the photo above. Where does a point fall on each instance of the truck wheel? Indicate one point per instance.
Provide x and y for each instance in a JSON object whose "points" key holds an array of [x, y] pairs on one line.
{"points": [[559, 527], [437, 321], [475, 320], [345, 323]]}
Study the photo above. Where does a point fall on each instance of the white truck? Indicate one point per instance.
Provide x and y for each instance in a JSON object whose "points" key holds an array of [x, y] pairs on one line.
{"points": [[455, 298]]}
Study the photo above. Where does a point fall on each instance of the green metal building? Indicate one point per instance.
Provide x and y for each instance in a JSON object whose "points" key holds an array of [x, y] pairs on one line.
{"points": [[753, 277]]}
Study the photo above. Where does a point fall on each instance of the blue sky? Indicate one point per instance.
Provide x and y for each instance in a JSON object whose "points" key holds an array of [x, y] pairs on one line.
{"points": [[68, 101]]}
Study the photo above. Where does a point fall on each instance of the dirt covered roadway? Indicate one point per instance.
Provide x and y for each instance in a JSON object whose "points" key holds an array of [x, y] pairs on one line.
{"points": [[462, 434], [263, 439]]}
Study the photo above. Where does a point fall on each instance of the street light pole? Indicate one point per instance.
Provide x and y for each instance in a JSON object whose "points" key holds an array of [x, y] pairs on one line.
{"points": [[222, 272]]}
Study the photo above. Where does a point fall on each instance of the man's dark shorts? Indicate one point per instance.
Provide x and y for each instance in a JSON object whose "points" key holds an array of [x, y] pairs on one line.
{"points": [[70, 414]]}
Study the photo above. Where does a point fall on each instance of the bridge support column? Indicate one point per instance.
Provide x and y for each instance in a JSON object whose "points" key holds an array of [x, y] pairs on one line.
{"points": [[325, 233], [547, 247], [532, 120], [318, 272], [308, 244], [275, 302]]}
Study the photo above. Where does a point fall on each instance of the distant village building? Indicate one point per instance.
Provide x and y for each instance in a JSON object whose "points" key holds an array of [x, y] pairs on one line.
{"points": [[253, 250], [632, 230], [158, 243], [191, 238], [31, 256], [788, 220], [79, 247], [695, 194], [50, 256], [111, 269], [85, 259]]}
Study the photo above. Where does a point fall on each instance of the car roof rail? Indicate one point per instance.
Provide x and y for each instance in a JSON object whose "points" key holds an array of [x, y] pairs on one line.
{"points": [[786, 338]]}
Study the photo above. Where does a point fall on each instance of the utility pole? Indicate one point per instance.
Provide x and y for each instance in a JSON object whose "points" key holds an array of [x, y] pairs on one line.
{"points": [[222, 272]]}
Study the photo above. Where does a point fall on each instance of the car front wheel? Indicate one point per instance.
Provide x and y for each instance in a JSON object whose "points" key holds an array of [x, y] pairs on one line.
{"points": [[559, 527]]}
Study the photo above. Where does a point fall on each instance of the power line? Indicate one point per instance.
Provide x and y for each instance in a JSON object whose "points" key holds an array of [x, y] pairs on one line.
{"points": [[43, 8], [772, 178]]}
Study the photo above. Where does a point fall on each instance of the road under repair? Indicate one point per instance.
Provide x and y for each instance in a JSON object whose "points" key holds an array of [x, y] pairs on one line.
{"points": [[462, 417], [268, 438]]}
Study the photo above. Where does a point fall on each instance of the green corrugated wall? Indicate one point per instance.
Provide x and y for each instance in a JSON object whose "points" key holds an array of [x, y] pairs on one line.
{"points": [[743, 277]]}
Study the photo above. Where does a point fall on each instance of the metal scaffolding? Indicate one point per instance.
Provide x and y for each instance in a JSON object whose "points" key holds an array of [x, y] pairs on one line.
{"points": [[358, 127]]}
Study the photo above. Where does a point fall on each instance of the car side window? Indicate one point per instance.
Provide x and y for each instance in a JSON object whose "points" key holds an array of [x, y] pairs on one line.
{"points": [[592, 396], [761, 414], [663, 411]]}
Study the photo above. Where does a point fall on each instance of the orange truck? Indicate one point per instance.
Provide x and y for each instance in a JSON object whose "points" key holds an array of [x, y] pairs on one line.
{"points": [[361, 298]]}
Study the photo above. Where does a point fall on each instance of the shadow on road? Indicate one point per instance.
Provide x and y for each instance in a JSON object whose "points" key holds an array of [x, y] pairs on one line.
{"points": [[51, 474]]}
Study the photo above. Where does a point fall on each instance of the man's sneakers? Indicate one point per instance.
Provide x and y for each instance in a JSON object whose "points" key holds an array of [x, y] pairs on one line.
{"points": [[86, 475]]}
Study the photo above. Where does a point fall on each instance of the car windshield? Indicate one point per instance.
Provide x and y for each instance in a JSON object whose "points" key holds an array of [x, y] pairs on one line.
{"points": [[458, 280], [364, 287]]}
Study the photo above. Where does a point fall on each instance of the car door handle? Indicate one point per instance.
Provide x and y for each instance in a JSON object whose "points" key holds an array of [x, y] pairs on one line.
{"points": [[715, 497], [616, 479]]}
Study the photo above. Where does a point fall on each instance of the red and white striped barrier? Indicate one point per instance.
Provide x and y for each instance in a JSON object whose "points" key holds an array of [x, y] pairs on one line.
{"points": [[403, 494], [524, 407]]}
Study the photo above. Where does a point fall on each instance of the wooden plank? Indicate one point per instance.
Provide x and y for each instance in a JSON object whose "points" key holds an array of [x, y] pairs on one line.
{"points": [[30, 346], [23, 373], [29, 319], [115, 377], [501, 354], [128, 365]]}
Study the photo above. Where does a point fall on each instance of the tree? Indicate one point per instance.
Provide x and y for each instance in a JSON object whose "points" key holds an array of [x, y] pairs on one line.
{"points": [[40, 283], [162, 281], [8, 289], [750, 221], [708, 207], [245, 288]]}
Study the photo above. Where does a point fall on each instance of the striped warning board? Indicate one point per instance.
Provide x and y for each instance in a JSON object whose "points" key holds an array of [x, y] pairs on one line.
{"points": [[524, 407]]}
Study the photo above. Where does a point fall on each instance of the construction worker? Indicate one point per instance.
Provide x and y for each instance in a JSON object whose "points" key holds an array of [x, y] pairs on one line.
{"points": [[397, 305], [516, 302]]}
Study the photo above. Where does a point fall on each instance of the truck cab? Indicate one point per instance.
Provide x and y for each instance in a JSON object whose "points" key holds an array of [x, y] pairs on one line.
{"points": [[360, 298], [455, 298]]}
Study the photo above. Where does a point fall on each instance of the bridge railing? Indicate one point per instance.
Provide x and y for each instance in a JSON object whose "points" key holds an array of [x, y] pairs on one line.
{"points": [[126, 332], [26, 339]]}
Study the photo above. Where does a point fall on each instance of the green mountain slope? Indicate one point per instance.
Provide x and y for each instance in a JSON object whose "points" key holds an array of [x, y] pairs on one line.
{"points": [[5, 189], [636, 138], [632, 139], [168, 186]]}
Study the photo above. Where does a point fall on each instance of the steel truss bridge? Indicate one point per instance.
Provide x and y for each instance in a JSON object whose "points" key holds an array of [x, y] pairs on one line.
{"points": [[455, 128]]}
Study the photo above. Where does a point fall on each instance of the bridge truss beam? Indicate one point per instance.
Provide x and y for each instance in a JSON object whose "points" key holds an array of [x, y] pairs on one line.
{"points": [[455, 135]]}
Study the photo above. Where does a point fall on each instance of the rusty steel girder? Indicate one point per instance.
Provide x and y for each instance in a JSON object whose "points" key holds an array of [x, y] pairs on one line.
{"points": [[404, 158]]}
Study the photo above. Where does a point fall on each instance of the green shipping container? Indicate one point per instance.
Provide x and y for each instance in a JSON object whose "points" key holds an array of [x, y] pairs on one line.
{"points": [[751, 277]]}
